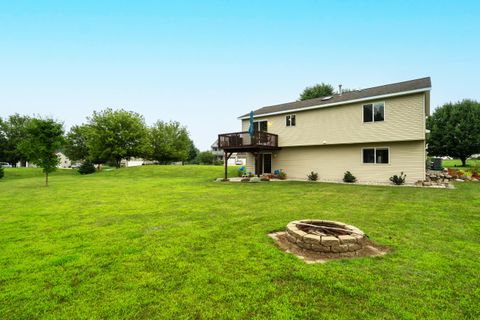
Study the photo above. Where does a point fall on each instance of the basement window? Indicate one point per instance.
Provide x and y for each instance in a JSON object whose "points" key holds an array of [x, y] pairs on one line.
{"points": [[290, 120], [376, 155], [374, 112]]}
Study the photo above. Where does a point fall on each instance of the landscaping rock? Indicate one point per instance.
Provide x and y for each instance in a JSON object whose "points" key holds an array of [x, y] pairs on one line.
{"points": [[255, 179], [330, 241], [347, 239], [312, 238]]}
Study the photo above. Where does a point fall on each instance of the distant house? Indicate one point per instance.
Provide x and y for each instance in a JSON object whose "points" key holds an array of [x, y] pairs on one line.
{"points": [[239, 158], [374, 133], [64, 163]]}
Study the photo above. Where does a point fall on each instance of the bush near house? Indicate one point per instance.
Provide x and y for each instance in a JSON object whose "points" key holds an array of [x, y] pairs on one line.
{"points": [[349, 177], [313, 176], [398, 180]]}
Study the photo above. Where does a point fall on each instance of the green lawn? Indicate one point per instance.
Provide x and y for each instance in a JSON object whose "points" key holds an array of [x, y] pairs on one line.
{"points": [[168, 242], [458, 163]]}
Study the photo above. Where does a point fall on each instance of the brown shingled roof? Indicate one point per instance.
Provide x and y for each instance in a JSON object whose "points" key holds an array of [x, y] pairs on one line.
{"points": [[399, 87]]}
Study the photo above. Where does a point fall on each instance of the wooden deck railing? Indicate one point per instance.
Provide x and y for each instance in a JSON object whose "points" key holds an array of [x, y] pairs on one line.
{"points": [[239, 140]]}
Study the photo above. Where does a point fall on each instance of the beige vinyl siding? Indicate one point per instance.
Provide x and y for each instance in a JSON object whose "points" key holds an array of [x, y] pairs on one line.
{"points": [[250, 163], [332, 161], [404, 120]]}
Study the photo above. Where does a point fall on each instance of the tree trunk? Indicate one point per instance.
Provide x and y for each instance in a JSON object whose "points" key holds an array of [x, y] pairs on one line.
{"points": [[46, 179], [464, 161]]}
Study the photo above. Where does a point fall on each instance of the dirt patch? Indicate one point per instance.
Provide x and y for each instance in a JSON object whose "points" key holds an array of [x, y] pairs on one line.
{"points": [[369, 249]]}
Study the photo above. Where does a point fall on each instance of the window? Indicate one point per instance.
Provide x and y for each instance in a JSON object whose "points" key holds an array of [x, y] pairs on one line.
{"points": [[290, 120], [376, 155], [260, 126], [374, 112], [369, 155], [381, 155]]}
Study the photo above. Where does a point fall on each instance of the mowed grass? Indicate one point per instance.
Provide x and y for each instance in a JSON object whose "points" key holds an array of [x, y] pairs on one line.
{"points": [[458, 163], [168, 242]]}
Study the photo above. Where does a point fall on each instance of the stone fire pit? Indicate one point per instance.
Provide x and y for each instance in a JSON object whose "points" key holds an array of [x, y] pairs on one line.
{"points": [[320, 240], [326, 236]]}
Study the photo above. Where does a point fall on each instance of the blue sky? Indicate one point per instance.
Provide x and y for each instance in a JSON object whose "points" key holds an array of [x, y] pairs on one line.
{"points": [[204, 63]]}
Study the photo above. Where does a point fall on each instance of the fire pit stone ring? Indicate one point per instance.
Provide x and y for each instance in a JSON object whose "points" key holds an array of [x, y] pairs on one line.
{"points": [[326, 236]]}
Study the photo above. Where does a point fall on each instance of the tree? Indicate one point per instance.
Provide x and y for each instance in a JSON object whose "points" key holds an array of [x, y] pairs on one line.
{"points": [[170, 142], [76, 143], [13, 132], [205, 157], [192, 152], [317, 91], [114, 135], [3, 142], [455, 130], [44, 138]]}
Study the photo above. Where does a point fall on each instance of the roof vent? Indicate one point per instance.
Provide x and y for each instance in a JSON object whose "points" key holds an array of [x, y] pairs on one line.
{"points": [[327, 98]]}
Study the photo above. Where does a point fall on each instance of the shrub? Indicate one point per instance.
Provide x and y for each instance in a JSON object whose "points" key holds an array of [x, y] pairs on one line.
{"points": [[86, 168], [398, 180], [349, 177], [313, 176], [1, 173], [282, 175]]}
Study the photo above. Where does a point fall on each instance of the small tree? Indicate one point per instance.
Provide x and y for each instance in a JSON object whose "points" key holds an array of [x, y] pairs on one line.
{"points": [[455, 130], [86, 168], [44, 138], [317, 91]]}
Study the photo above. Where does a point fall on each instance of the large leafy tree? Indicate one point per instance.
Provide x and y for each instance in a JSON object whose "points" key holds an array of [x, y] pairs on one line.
{"points": [[13, 131], [76, 143], [114, 135], [44, 137], [170, 142], [317, 91], [455, 130], [3, 142]]}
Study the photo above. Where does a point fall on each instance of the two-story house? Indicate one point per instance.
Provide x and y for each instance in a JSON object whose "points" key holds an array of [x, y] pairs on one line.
{"points": [[374, 133]]}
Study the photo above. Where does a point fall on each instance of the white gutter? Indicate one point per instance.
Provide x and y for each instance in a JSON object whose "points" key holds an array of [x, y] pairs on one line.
{"points": [[338, 103]]}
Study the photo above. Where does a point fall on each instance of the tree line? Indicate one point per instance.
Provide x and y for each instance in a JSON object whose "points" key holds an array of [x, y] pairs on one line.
{"points": [[107, 137]]}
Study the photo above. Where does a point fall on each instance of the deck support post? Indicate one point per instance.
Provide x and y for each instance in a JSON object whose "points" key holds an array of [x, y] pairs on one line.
{"points": [[226, 157]]}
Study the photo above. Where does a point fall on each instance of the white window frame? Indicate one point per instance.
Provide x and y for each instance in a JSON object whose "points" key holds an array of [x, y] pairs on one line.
{"points": [[373, 112], [290, 120], [375, 156]]}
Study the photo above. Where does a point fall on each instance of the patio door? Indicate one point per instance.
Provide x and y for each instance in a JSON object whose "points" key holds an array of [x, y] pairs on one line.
{"points": [[267, 163]]}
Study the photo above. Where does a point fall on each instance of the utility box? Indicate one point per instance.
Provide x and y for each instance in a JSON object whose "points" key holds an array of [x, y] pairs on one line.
{"points": [[436, 164]]}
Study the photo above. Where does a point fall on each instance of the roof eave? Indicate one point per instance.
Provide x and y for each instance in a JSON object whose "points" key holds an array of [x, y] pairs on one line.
{"points": [[396, 94]]}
